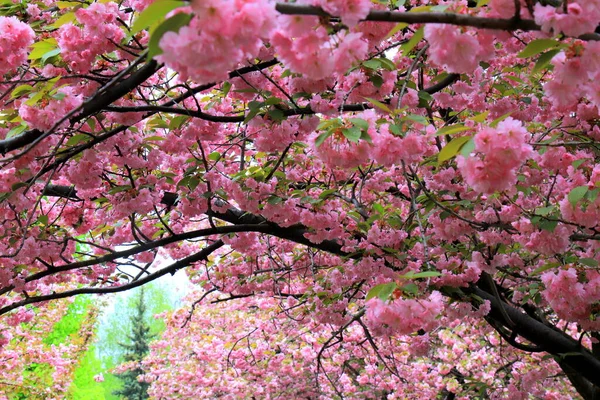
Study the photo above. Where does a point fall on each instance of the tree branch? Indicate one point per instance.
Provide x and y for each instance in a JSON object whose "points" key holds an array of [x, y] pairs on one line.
{"points": [[444, 83], [94, 105], [551, 340], [171, 269], [511, 24]]}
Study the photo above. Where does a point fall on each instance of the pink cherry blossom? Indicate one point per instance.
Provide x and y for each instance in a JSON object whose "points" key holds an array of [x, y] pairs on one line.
{"points": [[15, 38]]}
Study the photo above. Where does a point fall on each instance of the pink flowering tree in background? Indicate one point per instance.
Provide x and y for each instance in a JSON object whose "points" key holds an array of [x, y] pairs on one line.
{"points": [[374, 198], [40, 349]]}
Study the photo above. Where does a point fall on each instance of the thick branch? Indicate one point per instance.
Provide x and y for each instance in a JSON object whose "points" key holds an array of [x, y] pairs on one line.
{"points": [[66, 155], [573, 355], [94, 105], [511, 24], [116, 92], [551, 340], [142, 248], [171, 269], [444, 83]]}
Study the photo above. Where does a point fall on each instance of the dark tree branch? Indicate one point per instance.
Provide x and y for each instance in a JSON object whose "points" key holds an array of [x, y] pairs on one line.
{"points": [[551, 340], [89, 108], [67, 155], [117, 91], [444, 83], [511, 24], [171, 269]]}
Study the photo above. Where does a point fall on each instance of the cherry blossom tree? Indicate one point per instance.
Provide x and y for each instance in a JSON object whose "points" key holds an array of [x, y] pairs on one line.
{"points": [[40, 350], [390, 171]]}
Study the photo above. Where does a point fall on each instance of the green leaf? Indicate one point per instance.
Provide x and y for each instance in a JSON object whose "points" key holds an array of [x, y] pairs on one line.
{"points": [[64, 19], [20, 91], [419, 119], [17, 185], [537, 46], [328, 123], [177, 122], [365, 136], [172, 24], [119, 189], [420, 275], [76, 139], [378, 104], [467, 148], [399, 26], [214, 156], [592, 195], [410, 288], [452, 129], [387, 64], [395, 129], [276, 114], [451, 149], [414, 40], [274, 200], [272, 101], [378, 208], [544, 60], [544, 268], [372, 64], [226, 87], [423, 95], [58, 96], [359, 122], [543, 211], [577, 163], [66, 4], [154, 138], [49, 55], [321, 138], [43, 219], [548, 225], [33, 100], [16, 130], [495, 122], [38, 49], [376, 80], [383, 291], [352, 134], [480, 117], [189, 181], [577, 194], [326, 193], [154, 13], [590, 262]]}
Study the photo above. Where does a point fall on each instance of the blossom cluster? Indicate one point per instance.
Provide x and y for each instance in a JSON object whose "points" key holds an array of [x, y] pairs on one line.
{"points": [[404, 316], [222, 35], [577, 306], [98, 34], [15, 38], [499, 153]]}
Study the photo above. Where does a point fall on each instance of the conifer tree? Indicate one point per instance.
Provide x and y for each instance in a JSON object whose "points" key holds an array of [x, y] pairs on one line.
{"points": [[135, 350]]}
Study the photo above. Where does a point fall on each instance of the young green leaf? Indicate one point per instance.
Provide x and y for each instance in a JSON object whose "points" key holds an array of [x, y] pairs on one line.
{"points": [[154, 13], [452, 148], [383, 291], [537, 46], [577, 194], [173, 24], [379, 104], [414, 40]]}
